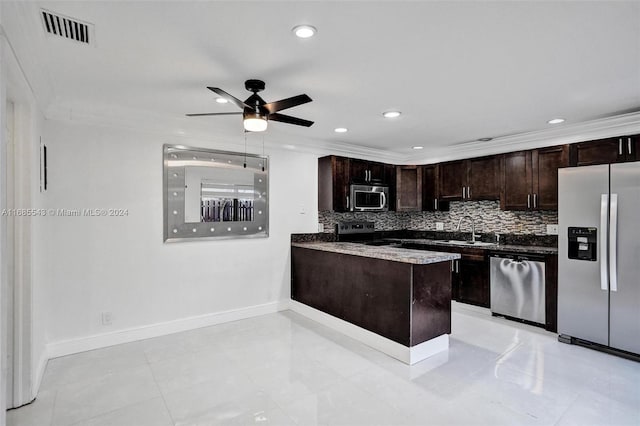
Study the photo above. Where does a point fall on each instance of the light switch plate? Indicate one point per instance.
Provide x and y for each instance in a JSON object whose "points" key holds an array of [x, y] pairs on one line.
{"points": [[439, 226], [552, 229], [320, 227]]}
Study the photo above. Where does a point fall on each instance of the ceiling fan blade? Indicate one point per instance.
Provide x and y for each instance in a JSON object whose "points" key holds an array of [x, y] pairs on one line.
{"points": [[289, 120], [276, 106], [213, 113], [229, 97]]}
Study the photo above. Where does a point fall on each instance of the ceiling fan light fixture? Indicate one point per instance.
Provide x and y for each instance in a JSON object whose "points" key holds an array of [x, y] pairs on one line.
{"points": [[341, 130], [255, 123], [222, 100], [556, 121], [304, 31]]}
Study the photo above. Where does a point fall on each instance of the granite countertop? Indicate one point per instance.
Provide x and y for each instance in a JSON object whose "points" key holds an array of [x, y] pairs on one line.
{"points": [[493, 247], [396, 254]]}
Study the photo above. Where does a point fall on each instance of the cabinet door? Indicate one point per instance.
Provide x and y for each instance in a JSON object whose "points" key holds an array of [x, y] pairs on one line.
{"points": [[390, 179], [358, 171], [452, 179], [473, 285], [602, 151], [333, 183], [409, 188], [484, 178], [429, 188], [545, 163], [377, 172], [516, 181]]}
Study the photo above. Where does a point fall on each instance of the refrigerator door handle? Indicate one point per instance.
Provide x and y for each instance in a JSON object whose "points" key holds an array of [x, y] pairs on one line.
{"points": [[613, 243], [604, 205]]}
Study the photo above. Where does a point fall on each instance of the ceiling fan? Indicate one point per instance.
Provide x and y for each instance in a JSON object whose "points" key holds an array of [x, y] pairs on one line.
{"points": [[256, 112]]}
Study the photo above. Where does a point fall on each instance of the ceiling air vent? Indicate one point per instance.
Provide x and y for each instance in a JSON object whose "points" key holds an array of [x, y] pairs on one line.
{"points": [[66, 27]]}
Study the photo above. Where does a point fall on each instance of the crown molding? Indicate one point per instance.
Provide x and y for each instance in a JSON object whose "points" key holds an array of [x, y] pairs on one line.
{"points": [[165, 125], [624, 124], [26, 48]]}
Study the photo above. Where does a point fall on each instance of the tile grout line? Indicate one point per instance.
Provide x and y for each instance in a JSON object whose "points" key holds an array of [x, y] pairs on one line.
{"points": [[164, 401]]}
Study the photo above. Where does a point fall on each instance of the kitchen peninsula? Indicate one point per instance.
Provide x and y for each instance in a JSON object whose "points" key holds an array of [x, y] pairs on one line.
{"points": [[394, 299]]}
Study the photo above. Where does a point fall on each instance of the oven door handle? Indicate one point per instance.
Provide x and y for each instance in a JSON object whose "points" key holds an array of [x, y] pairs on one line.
{"points": [[383, 200]]}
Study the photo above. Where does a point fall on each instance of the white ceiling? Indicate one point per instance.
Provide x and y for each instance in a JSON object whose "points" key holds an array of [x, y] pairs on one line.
{"points": [[458, 71]]}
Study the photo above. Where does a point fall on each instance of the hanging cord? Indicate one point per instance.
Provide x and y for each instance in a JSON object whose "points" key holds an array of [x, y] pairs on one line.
{"points": [[264, 159], [245, 149]]}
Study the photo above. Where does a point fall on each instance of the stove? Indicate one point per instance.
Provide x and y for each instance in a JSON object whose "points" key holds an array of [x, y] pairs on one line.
{"points": [[362, 232]]}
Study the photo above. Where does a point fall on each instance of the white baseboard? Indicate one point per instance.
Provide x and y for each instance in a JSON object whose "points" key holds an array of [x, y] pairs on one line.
{"points": [[408, 355], [82, 344]]}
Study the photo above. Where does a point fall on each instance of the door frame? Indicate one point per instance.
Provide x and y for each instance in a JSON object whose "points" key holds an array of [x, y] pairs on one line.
{"points": [[18, 254]]}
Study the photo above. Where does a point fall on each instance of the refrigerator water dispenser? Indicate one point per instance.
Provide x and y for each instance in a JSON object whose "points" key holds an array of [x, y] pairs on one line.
{"points": [[582, 243]]}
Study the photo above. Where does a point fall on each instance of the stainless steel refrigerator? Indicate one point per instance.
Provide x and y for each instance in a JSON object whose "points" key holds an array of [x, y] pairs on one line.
{"points": [[599, 255]]}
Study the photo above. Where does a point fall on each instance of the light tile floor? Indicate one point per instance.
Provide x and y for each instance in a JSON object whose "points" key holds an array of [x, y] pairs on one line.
{"points": [[283, 369]]}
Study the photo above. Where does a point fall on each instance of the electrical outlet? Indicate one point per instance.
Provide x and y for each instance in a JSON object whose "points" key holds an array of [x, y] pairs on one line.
{"points": [[439, 226], [552, 229], [321, 227], [107, 318]]}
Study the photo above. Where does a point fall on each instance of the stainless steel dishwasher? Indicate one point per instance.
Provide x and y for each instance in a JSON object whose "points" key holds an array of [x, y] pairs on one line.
{"points": [[517, 285]]}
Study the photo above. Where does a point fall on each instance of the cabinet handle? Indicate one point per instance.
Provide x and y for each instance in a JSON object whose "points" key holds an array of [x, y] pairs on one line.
{"points": [[535, 201], [369, 175], [453, 266], [457, 266], [435, 204], [347, 202], [629, 145], [463, 192], [620, 146], [468, 192], [528, 201]]}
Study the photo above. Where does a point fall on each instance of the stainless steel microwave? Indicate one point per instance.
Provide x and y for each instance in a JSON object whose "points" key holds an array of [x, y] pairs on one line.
{"points": [[369, 198]]}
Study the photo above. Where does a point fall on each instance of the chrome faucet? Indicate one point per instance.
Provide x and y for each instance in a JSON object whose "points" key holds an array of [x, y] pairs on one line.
{"points": [[473, 228]]}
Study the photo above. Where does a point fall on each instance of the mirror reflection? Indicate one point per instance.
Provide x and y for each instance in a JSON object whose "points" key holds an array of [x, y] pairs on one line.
{"points": [[205, 189]]}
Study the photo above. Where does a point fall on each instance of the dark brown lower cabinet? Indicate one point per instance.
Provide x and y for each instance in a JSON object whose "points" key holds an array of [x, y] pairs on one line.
{"points": [[404, 302], [471, 278]]}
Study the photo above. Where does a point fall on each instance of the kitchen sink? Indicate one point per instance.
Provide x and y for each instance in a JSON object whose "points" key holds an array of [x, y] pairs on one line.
{"points": [[469, 243]]}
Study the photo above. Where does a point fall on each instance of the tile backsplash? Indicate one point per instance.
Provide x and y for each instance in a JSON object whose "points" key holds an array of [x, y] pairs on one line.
{"points": [[486, 215]]}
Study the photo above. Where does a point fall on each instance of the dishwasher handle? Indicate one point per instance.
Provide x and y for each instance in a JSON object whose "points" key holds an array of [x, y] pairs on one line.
{"points": [[518, 256]]}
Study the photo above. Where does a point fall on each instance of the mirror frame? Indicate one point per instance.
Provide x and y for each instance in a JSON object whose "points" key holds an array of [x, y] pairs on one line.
{"points": [[176, 158]]}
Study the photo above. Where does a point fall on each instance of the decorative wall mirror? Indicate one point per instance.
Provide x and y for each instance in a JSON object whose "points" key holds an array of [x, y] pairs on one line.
{"points": [[214, 194]]}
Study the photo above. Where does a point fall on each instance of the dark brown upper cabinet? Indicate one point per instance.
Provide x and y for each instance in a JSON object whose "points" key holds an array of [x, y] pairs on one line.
{"points": [[605, 151], [431, 200], [333, 184], [365, 172], [473, 179], [336, 174], [408, 188], [452, 181], [530, 178]]}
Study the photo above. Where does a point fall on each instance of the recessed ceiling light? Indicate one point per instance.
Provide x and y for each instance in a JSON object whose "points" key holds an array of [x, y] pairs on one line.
{"points": [[222, 100], [340, 130], [485, 139], [304, 31], [417, 147], [391, 114], [556, 121]]}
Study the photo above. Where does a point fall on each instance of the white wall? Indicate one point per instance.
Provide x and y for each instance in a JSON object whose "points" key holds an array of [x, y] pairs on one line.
{"points": [[121, 265]]}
